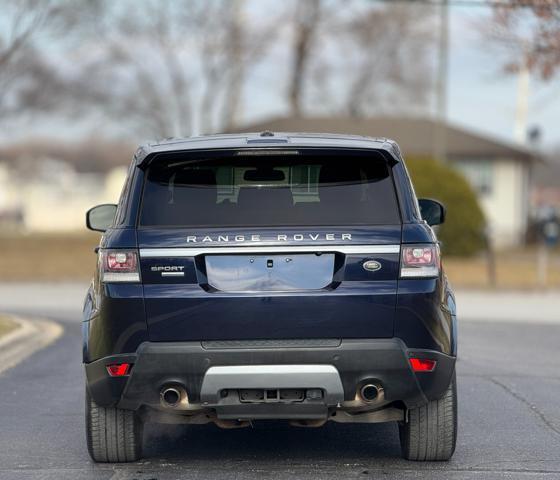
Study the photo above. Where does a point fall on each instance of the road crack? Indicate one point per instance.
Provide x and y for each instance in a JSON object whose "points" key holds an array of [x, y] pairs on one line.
{"points": [[532, 407]]}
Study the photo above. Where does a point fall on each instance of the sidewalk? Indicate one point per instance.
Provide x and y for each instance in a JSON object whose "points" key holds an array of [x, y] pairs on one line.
{"points": [[42, 299], [509, 306], [472, 305]]}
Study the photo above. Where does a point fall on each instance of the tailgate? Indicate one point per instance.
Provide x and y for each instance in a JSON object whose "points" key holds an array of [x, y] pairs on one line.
{"points": [[265, 244], [268, 290]]}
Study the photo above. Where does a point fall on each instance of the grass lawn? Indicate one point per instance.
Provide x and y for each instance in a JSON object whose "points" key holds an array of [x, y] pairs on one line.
{"points": [[7, 325], [43, 257], [514, 270], [70, 257]]}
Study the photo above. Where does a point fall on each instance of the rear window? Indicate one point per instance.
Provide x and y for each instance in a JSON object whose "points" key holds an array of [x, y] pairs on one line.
{"points": [[269, 191]]}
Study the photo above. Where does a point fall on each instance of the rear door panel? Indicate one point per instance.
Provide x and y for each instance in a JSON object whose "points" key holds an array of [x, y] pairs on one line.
{"points": [[207, 297]]}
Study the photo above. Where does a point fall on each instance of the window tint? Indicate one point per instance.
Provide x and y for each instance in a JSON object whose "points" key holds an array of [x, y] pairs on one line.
{"points": [[269, 191]]}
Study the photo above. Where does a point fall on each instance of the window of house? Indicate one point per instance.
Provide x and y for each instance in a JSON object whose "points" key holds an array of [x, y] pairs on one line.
{"points": [[479, 173]]}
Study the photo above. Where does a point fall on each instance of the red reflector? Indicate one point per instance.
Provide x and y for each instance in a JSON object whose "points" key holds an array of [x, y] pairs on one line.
{"points": [[118, 369], [422, 364]]}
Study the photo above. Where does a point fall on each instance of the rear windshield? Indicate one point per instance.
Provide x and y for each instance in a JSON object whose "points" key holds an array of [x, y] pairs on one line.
{"points": [[269, 191]]}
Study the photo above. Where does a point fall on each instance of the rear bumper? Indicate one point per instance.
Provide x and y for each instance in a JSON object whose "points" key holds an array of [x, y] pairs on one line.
{"points": [[357, 362]]}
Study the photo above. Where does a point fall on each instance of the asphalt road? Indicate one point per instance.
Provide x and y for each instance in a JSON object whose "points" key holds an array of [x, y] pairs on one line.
{"points": [[509, 421]]}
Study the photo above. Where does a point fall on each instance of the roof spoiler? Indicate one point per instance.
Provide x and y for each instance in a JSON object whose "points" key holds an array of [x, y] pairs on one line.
{"points": [[145, 156]]}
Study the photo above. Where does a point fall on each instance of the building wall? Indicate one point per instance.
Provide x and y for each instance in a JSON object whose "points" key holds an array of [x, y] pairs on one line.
{"points": [[502, 187], [56, 197], [506, 206]]}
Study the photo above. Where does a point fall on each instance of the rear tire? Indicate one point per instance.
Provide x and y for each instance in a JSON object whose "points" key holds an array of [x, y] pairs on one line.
{"points": [[430, 434], [113, 434]]}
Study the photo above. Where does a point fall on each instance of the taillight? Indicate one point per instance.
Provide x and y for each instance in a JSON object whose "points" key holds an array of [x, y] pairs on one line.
{"points": [[422, 364], [420, 261], [119, 266], [118, 369]]}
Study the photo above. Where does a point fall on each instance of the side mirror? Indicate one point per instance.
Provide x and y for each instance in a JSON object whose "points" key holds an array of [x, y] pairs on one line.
{"points": [[101, 217], [432, 211]]}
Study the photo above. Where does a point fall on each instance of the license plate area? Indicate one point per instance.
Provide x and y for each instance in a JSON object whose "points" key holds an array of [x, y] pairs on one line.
{"points": [[276, 272], [276, 395]]}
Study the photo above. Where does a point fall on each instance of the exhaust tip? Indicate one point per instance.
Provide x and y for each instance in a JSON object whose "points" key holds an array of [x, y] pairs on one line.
{"points": [[369, 392], [170, 396]]}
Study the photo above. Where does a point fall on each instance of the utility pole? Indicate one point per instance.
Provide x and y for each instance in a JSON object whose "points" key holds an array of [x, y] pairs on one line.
{"points": [[522, 104], [440, 140]]}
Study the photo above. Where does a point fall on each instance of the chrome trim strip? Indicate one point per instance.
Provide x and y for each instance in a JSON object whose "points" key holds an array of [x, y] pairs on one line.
{"points": [[256, 249], [271, 369], [325, 377], [172, 274]]}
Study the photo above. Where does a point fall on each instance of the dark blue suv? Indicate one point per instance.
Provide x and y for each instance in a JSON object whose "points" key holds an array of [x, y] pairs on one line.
{"points": [[269, 276]]}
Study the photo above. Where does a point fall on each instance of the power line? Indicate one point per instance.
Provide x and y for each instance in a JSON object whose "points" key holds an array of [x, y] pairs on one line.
{"points": [[481, 3]]}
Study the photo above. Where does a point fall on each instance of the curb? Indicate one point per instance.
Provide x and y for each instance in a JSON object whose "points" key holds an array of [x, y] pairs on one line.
{"points": [[31, 336]]}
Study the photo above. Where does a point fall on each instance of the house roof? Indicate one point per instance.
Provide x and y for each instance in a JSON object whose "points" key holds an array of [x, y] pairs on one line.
{"points": [[415, 136]]}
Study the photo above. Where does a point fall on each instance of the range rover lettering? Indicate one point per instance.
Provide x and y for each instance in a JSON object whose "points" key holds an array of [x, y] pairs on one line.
{"points": [[282, 276]]}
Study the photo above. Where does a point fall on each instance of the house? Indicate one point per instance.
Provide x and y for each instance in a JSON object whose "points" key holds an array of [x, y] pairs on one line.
{"points": [[47, 185], [499, 171], [53, 196]]}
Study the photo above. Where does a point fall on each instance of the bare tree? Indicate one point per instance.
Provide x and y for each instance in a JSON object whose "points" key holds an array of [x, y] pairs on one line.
{"points": [[359, 57], [235, 64], [169, 68], [306, 22], [136, 71], [27, 18], [244, 46], [390, 65], [25, 78], [529, 33]]}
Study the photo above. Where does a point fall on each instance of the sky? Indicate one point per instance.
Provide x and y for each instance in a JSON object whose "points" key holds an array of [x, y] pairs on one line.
{"points": [[483, 98]]}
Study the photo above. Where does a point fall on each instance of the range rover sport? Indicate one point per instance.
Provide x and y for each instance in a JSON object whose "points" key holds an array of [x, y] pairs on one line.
{"points": [[269, 276]]}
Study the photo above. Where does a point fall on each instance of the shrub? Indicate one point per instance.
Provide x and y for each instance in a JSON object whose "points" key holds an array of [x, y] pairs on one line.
{"points": [[463, 230]]}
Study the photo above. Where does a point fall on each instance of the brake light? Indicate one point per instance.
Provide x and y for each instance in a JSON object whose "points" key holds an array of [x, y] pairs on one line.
{"points": [[420, 261], [118, 369], [422, 364], [119, 266]]}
